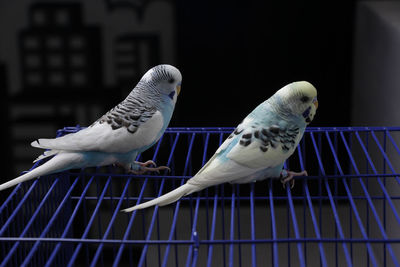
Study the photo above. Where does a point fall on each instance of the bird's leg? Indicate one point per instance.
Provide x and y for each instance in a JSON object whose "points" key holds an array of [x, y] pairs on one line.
{"points": [[141, 167], [287, 176]]}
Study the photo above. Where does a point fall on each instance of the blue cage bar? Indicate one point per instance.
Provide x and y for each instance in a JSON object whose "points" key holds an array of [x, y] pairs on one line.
{"points": [[345, 213]]}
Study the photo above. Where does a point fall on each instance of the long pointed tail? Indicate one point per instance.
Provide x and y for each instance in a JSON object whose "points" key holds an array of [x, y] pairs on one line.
{"points": [[168, 198], [58, 163]]}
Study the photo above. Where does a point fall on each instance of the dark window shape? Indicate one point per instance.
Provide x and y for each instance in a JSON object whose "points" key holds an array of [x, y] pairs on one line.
{"points": [[62, 18], [55, 61], [39, 17], [77, 60], [56, 78], [54, 42], [33, 61], [77, 42], [33, 78], [31, 43], [78, 79]]}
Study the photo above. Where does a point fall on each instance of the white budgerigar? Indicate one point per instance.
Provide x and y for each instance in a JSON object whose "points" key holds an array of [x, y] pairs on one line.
{"points": [[120, 135], [258, 147]]}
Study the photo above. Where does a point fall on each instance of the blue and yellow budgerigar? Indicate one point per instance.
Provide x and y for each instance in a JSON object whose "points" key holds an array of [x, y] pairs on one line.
{"points": [[258, 147], [128, 129]]}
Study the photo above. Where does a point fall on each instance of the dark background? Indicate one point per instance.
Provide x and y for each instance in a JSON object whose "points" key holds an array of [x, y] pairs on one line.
{"points": [[66, 62], [232, 54], [235, 55]]}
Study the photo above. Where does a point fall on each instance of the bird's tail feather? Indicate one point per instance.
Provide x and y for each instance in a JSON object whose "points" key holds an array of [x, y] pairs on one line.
{"points": [[168, 198], [55, 164]]}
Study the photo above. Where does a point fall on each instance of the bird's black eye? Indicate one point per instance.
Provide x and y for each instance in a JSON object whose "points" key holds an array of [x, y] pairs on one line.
{"points": [[304, 99], [171, 80]]}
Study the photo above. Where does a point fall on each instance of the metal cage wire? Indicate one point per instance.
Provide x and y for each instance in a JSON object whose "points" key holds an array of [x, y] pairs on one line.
{"points": [[344, 213]]}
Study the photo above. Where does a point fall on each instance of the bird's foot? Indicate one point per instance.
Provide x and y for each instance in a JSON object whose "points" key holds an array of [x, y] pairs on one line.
{"points": [[142, 167], [289, 177], [147, 163]]}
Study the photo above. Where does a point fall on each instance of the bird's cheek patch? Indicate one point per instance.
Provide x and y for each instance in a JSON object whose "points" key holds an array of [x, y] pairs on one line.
{"points": [[307, 112], [171, 95]]}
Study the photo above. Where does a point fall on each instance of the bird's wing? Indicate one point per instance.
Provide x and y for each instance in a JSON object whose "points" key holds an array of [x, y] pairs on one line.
{"points": [[220, 169], [247, 150], [265, 147], [121, 130]]}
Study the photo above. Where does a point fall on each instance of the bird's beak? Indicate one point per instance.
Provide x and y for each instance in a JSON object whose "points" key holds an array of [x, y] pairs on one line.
{"points": [[178, 89], [315, 102]]}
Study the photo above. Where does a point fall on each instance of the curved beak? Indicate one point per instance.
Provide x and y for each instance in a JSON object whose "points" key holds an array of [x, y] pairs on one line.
{"points": [[178, 89], [315, 102]]}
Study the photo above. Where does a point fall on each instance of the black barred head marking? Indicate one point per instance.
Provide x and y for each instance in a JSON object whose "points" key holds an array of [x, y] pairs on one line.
{"points": [[163, 80]]}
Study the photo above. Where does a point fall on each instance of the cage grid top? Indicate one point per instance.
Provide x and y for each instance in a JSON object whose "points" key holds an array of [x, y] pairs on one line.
{"points": [[344, 213]]}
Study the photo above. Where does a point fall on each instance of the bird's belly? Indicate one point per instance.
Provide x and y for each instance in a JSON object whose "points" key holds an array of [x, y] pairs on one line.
{"points": [[274, 157], [93, 159]]}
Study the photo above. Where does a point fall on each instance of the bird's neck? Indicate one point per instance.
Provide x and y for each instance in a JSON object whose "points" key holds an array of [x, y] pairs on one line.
{"points": [[281, 112]]}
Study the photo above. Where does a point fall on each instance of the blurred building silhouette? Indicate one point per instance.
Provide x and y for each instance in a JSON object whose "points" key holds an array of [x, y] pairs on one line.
{"points": [[61, 68], [134, 53], [61, 71], [58, 51], [5, 133]]}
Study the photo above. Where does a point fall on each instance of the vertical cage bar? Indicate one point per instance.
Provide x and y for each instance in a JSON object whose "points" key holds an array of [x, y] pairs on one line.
{"points": [[353, 205], [69, 223], [289, 253], [367, 182], [369, 201], [185, 170], [111, 223], [86, 232], [17, 208], [155, 212], [50, 223], [252, 226], [129, 226], [387, 196], [295, 226], [332, 202], [350, 145], [193, 236], [221, 138], [133, 215], [313, 217], [213, 226], [383, 200], [273, 227], [56, 251], [238, 225], [29, 223], [232, 227], [172, 231]]}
